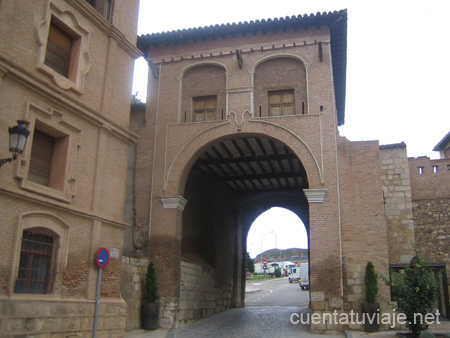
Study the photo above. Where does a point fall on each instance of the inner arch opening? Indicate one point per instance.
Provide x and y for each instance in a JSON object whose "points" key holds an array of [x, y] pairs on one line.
{"points": [[277, 247], [231, 182], [284, 229]]}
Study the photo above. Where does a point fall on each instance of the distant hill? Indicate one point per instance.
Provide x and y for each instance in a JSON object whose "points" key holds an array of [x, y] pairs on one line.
{"points": [[287, 254]]}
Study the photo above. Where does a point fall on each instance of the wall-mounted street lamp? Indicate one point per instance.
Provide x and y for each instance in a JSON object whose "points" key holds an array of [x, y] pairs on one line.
{"points": [[17, 139]]}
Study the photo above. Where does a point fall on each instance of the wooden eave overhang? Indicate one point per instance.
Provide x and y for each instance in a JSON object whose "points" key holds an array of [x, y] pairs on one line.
{"points": [[442, 143]]}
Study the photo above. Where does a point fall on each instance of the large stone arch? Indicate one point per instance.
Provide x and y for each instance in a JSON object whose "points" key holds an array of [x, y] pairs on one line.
{"points": [[213, 226], [181, 163]]}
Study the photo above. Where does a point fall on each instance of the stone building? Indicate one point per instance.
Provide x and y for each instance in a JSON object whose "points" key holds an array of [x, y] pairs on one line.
{"points": [[243, 117], [66, 70]]}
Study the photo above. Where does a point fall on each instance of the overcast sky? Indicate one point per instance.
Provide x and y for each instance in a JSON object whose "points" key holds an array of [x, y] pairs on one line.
{"points": [[398, 67]]}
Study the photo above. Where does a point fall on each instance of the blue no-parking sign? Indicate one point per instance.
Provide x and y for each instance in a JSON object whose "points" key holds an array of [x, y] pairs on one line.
{"points": [[102, 258]]}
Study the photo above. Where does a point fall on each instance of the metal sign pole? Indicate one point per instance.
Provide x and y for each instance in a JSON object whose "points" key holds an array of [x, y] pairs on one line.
{"points": [[102, 260], [97, 301]]}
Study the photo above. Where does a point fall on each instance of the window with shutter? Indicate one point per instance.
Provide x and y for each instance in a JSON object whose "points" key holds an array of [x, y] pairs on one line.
{"points": [[59, 50], [204, 108], [41, 158], [281, 102], [104, 7], [48, 158]]}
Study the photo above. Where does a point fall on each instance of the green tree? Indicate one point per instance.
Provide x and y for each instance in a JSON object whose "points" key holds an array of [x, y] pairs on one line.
{"points": [[415, 289], [135, 99], [150, 286], [250, 264], [277, 272], [371, 283]]}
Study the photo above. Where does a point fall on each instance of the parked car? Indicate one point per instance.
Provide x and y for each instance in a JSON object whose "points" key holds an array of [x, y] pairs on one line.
{"points": [[304, 276], [294, 275]]}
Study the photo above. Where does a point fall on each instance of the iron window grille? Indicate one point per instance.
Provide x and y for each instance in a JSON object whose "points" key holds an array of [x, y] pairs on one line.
{"points": [[35, 266]]}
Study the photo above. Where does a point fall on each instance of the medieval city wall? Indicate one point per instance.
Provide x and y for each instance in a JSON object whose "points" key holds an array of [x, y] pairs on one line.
{"points": [[430, 182], [198, 294], [362, 218], [398, 204], [131, 287]]}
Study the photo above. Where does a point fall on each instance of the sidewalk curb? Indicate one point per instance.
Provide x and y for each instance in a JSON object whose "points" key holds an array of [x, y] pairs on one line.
{"points": [[253, 291]]}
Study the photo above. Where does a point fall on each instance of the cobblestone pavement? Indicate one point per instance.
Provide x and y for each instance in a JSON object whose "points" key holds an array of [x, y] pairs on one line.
{"points": [[251, 322], [255, 321]]}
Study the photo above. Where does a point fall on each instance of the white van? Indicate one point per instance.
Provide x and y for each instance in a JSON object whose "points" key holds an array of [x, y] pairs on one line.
{"points": [[304, 276], [294, 275]]}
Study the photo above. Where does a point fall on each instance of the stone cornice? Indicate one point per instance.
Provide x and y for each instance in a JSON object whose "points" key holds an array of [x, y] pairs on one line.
{"points": [[243, 51], [44, 89], [174, 202], [315, 195], [106, 27]]}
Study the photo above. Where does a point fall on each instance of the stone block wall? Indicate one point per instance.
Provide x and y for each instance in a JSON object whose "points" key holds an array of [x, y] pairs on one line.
{"points": [[133, 275], [432, 230], [398, 204], [432, 225], [430, 181], [60, 319], [197, 294]]}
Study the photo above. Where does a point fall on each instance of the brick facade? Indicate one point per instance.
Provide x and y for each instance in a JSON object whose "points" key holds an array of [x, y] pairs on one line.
{"points": [[357, 201], [84, 211], [175, 143]]}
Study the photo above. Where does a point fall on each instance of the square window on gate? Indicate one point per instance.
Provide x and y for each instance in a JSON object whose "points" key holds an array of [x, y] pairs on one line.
{"points": [[281, 102], [205, 108]]}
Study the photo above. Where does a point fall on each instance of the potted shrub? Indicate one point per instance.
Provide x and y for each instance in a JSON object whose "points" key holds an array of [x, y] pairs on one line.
{"points": [[371, 308], [150, 305]]}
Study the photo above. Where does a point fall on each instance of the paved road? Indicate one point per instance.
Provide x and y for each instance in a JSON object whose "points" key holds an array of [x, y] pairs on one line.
{"points": [[269, 307], [276, 292], [252, 322]]}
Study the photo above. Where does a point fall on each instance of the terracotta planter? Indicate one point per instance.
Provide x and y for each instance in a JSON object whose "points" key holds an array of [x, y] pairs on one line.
{"points": [[371, 313], [149, 315]]}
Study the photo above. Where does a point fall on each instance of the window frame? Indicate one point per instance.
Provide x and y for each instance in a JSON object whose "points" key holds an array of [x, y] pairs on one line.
{"points": [[99, 6], [69, 136], [281, 104], [205, 110], [50, 224], [70, 71], [79, 63], [32, 254], [58, 159]]}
